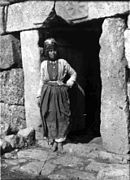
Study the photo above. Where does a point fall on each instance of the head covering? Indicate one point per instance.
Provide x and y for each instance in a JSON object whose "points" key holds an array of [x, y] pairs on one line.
{"points": [[50, 43]]}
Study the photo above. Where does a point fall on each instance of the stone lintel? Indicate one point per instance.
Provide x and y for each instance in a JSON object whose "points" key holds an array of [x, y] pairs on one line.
{"points": [[101, 9], [28, 15], [31, 65], [77, 11]]}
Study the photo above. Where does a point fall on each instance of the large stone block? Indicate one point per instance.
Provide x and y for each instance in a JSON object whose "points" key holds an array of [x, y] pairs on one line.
{"points": [[4, 129], [114, 101], [79, 11], [1, 20], [114, 173], [6, 53], [99, 9], [12, 86], [28, 134], [5, 146], [127, 45], [128, 90], [72, 10], [31, 67], [10, 53], [128, 20], [28, 14], [13, 115]]}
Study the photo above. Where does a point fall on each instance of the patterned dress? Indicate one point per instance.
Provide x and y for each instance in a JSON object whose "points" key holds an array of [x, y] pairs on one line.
{"points": [[54, 101]]}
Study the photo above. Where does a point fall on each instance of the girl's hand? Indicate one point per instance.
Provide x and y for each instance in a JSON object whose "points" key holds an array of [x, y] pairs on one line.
{"points": [[60, 83], [69, 83]]}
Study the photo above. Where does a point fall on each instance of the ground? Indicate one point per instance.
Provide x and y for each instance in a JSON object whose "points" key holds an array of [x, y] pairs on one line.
{"points": [[80, 161]]}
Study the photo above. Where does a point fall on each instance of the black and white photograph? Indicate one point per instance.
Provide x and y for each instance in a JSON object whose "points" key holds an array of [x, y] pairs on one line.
{"points": [[64, 90]]}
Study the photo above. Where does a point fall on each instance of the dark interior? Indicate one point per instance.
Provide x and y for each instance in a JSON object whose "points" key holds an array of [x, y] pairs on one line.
{"points": [[79, 45]]}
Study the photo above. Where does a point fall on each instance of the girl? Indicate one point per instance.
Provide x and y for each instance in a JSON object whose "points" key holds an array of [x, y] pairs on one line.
{"points": [[52, 97]]}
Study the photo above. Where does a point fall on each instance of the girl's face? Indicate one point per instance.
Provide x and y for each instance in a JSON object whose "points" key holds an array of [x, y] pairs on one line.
{"points": [[52, 54]]}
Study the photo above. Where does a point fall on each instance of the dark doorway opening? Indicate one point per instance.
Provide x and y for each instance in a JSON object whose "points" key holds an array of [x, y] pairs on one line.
{"points": [[79, 45]]}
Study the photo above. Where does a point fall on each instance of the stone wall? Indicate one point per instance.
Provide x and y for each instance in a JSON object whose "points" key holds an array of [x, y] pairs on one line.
{"points": [[12, 109]]}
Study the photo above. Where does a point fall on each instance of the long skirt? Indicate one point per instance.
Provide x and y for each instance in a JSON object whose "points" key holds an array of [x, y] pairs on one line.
{"points": [[55, 110]]}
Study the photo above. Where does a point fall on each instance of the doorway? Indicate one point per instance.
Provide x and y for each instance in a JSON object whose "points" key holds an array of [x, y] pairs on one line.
{"points": [[79, 45]]}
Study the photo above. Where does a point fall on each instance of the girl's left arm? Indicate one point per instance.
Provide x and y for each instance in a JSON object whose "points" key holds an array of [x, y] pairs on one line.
{"points": [[72, 73]]}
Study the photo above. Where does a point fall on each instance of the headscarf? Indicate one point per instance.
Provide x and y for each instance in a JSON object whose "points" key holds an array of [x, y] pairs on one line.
{"points": [[49, 44]]}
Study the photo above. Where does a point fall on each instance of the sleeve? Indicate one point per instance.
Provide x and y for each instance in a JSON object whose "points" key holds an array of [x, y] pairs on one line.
{"points": [[72, 73], [42, 75]]}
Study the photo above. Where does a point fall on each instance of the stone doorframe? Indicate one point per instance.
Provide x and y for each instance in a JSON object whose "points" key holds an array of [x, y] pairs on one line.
{"points": [[114, 98]]}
